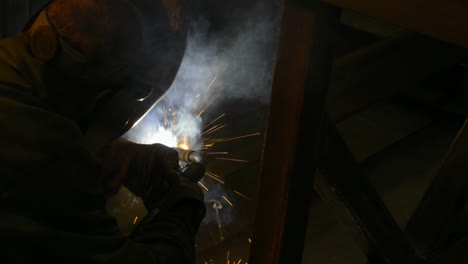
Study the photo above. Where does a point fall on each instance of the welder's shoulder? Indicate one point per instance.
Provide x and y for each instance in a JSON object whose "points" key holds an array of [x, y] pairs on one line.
{"points": [[36, 145], [23, 109], [16, 72]]}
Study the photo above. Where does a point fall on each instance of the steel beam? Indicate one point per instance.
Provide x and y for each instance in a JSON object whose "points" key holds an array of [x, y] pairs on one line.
{"points": [[387, 68], [444, 200], [444, 20], [293, 134], [353, 199]]}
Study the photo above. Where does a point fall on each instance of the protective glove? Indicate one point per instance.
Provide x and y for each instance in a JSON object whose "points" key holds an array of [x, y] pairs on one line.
{"points": [[146, 170], [152, 172], [184, 187]]}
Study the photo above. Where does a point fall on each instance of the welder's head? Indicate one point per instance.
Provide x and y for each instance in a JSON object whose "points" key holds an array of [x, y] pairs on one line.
{"points": [[127, 51], [95, 42]]}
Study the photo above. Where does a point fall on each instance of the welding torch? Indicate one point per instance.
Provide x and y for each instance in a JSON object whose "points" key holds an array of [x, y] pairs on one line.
{"points": [[196, 169]]}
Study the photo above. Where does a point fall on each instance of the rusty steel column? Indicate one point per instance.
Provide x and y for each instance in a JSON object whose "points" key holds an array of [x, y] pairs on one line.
{"points": [[2, 19], [293, 133]]}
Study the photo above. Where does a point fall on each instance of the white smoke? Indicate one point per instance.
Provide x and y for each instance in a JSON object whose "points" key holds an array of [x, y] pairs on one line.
{"points": [[238, 61]]}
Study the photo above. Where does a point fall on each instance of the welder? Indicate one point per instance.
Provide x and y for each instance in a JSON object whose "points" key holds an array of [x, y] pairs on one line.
{"points": [[81, 74]]}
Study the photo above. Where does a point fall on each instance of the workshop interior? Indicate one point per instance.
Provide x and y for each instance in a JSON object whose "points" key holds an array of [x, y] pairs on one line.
{"points": [[332, 131]]}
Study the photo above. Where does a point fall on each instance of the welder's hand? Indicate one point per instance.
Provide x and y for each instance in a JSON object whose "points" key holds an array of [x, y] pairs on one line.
{"points": [[146, 170], [186, 198]]}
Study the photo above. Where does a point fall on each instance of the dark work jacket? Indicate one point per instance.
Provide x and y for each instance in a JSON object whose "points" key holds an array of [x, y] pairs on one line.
{"points": [[52, 205]]}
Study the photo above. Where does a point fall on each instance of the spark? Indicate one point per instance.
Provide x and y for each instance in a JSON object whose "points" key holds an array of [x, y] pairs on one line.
{"points": [[241, 195], [197, 102], [195, 105], [183, 143], [214, 174], [203, 186], [136, 219], [226, 199], [211, 129], [216, 119], [165, 120], [236, 160], [214, 178], [217, 153], [214, 98], [211, 84], [195, 149], [223, 126], [245, 136], [250, 241], [183, 146]]}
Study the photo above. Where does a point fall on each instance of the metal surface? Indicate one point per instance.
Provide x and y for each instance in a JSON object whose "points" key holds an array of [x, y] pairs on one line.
{"points": [[386, 68], [2, 19], [359, 207], [445, 20], [443, 203], [302, 72], [187, 155]]}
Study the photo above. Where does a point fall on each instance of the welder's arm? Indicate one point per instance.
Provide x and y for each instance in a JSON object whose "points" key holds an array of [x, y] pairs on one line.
{"points": [[168, 235]]}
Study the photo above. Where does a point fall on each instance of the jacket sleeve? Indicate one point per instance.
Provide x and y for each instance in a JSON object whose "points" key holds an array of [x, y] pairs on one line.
{"points": [[61, 216], [165, 236]]}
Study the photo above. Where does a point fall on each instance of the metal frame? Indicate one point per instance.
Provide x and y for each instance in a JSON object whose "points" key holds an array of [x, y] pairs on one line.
{"points": [[293, 132], [442, 205], [358, 206], [300, 141], [444, 20]]}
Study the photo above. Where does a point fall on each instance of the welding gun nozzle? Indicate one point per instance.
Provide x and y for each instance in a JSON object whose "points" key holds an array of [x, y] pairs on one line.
{"points": [[189, 156]]}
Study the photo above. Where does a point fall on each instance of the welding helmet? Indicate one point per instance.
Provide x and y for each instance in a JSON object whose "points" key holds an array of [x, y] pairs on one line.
{"points": [[164, 35]]}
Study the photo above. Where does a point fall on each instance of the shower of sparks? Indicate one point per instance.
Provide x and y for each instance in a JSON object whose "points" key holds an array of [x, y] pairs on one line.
{"points": [[214, 129], [226, 199], [211, 102], [179, 128], [236, 160], [214, 121]]}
